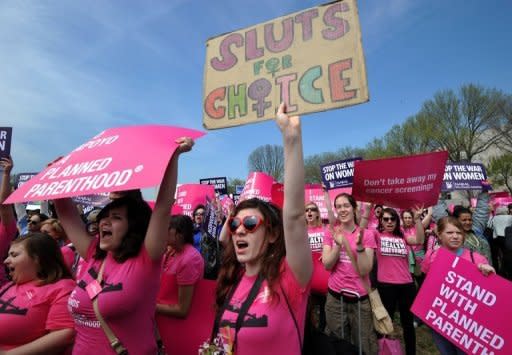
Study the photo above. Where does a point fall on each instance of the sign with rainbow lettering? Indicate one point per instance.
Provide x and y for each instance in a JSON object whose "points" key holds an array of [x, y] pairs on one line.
{"points": [[312, 60]]}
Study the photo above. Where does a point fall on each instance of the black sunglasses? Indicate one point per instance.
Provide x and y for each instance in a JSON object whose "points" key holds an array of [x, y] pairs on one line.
{"points": [[250, 223], [311, 209], [388, 219], [32, 222]]}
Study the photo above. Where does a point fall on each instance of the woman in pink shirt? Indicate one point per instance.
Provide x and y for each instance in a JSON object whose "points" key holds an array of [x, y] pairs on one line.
{"points": [[34, 318], [127, 253], [263, 284], [451, 235], [395, 283], [346, 292], [182, 269]]}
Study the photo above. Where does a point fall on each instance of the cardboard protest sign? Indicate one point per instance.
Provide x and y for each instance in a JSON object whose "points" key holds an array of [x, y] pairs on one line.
{"points": [[107, 163], [339, 173], [470, 310], [188, 196], [220, 183], [22, 178], [312, 60], [402, 182], [463, 176], [5, 141]]}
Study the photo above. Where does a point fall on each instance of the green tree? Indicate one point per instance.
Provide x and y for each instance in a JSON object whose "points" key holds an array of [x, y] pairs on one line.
{"points": [[232, 182], [500, 171], [268, 159]]}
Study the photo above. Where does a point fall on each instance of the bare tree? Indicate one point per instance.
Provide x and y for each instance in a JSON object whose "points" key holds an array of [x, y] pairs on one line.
{"points": [[464, 124], [500, 171], [268, 159]]}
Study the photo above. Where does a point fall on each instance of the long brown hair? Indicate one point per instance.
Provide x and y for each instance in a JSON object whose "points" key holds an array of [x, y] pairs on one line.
{"points": [[271, 259], [46, 252]]}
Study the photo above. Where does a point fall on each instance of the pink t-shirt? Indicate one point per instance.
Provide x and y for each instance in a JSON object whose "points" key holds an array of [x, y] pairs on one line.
{"points": [[466, 254], [7, 234], [73, 260], [411, 232], [29, 311], [392, 259], [343, 275], [316, 237], [186, 268], [268, 327], [127, 304]]}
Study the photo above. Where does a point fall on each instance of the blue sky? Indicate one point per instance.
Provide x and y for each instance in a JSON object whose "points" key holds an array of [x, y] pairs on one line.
{"points": [[69, 69]]}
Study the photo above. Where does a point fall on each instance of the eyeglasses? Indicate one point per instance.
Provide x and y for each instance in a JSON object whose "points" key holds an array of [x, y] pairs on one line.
{"points": [[33, 222], [388, 219], [311, 209], [250, 223]]}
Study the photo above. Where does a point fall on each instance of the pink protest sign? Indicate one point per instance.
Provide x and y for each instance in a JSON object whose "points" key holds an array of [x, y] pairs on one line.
{"points": [[258, 185], [470, 310], [117, 159], [227, 204], [278, 194], [188, 196], [401, 182]]}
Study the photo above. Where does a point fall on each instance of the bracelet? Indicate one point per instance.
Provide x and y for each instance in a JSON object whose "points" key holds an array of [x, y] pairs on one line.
{"points": [[360, 250]]}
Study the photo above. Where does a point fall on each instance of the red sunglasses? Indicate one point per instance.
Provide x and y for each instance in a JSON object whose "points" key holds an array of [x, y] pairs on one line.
{"points": [[250, 223]]}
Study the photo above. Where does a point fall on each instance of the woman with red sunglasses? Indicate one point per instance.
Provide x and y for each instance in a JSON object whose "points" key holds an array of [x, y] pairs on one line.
{"points": [[395, 283], [263, 284]]}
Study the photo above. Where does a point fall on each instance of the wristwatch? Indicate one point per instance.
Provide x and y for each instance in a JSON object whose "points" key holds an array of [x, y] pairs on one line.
{"points": [[360, 250]]}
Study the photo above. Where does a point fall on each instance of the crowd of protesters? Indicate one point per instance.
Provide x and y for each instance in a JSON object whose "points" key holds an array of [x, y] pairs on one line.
{"points": [[98, 282]]}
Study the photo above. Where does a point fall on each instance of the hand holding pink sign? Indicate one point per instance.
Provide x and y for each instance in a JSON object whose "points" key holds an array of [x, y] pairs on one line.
{"points": [[108, 162]]}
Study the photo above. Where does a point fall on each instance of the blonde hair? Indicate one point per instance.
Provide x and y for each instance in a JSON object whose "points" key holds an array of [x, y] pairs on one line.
{"points": [[318, 222], [55, 224]]}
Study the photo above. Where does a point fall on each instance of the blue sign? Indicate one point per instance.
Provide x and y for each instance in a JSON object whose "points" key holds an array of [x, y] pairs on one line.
{"points": [[339, 173]]}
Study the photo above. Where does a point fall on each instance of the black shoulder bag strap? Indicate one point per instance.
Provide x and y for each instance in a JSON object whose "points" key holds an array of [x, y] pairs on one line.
{"points": [[292, 314], [243, 310]]}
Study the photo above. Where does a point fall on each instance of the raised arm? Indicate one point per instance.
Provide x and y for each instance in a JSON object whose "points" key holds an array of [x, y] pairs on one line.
{"points": [[73, 225], [419, 237], [156, 236], [6, 213], [328, 205], [427, 219], [298, 253], [481, 214]]}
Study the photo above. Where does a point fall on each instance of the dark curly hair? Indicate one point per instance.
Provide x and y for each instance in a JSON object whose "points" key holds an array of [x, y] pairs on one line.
{"points": [[138, 214], [183, 225], [45, 250], [271, 260]]}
